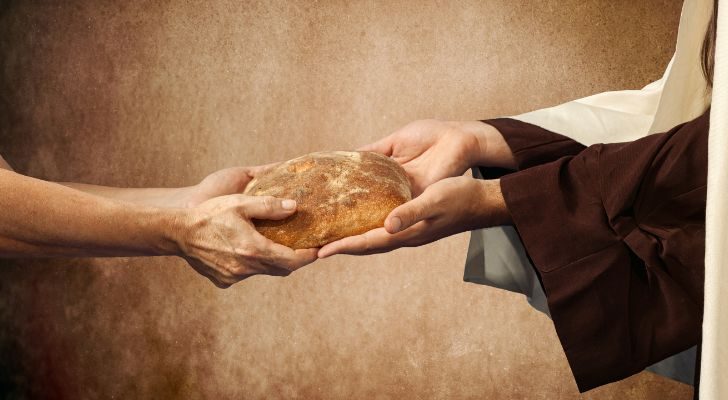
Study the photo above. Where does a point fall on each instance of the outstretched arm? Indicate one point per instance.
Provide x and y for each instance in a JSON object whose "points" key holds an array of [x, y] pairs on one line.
{"points": [[41, 218], [216, 237], [616, 234], [220, 183], [431, 150]]}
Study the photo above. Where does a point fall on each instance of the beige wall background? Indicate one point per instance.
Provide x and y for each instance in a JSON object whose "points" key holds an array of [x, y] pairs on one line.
{"points": [[161, 93]]}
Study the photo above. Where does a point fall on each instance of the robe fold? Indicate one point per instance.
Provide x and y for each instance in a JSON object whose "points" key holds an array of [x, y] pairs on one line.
{"points": [[616, 233]]}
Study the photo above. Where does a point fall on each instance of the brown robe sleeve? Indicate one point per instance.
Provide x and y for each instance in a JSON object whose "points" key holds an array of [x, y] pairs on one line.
{"points": [[617, 235], [532, 145]]}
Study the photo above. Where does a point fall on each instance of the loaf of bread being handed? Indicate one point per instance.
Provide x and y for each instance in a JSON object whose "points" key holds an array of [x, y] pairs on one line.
{"points": [[339, 194]]}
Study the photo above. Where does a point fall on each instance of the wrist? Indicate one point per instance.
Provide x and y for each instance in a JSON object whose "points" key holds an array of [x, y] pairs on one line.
{"points": [[492, 208], [490, 148], [180, 197], [476, 135], [169, 226]]}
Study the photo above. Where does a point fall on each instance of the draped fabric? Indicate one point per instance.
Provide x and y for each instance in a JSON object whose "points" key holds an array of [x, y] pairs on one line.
{"points": [[618, 241], [713, 382], [496, 256]]}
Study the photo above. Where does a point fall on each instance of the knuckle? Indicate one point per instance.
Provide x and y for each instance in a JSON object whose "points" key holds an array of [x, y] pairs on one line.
{"points": [[238, 270], [366, 245], [269, 204], [248, 252]]}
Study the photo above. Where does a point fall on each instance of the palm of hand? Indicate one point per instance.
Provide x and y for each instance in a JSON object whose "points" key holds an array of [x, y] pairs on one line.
{"points": [[428, 151]]}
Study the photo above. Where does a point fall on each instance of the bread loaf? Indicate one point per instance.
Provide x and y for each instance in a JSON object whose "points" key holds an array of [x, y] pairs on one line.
{"points": [[339, 194]]}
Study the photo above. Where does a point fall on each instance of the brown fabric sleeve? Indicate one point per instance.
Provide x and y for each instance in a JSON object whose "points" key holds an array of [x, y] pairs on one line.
{"points": [[532, 145], [616, 233]]}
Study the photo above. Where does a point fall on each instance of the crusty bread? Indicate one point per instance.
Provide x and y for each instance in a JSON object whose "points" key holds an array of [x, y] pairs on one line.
{"points": [[339, 194]]}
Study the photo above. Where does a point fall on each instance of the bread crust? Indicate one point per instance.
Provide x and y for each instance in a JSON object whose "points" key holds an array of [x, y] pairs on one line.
{"points": [[338, 193]]}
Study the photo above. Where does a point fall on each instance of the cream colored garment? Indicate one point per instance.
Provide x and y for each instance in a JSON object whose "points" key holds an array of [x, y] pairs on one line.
{"points": [[714, 367], [496, 256]]}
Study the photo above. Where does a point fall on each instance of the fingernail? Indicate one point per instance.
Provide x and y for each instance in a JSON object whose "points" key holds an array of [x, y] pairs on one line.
{"points": [[395, 223], [289, 204]]}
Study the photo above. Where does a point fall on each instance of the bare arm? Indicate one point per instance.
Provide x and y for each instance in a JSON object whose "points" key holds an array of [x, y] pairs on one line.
{"points": [[216, 237], [40, 218], [156, 197], [224, 182]]}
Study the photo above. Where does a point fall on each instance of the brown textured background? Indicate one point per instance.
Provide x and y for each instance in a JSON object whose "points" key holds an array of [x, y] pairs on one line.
{"points": [[160, 93]]}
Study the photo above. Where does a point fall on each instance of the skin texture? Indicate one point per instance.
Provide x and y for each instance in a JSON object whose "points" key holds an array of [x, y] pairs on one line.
{"points": [[204, 224], [445, 208], [434, 154], [226, 181], [430, 150]]}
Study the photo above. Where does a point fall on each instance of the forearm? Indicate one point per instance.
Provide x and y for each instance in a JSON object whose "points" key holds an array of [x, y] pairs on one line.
{"points": [[162, 197], [491, 208], [156, 197], [40, 219]]}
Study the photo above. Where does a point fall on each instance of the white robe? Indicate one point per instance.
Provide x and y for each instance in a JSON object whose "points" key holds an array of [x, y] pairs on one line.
{"points": [[496, 256], [713, 382]]}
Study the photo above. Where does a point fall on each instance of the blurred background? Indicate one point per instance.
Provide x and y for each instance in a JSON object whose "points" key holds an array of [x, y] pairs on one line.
{"points": [[161, 93]]}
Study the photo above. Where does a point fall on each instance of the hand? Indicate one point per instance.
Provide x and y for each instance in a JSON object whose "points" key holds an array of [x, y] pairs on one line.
{"points": [[219, 241], [431, 150], [224, 182], [447, 207]]}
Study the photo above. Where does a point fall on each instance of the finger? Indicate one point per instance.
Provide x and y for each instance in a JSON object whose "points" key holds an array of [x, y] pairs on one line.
{"points": [[410, 213], [267, 207], [263, 267], [272, 254], [284, 257], [382, 146], [371, 242], [307, 256], [203, 270], [238, 178]]}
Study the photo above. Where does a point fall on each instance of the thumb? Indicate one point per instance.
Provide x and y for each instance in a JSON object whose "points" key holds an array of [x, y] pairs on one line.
{"points": [[409, 214], [268, 207], [382, 146]]}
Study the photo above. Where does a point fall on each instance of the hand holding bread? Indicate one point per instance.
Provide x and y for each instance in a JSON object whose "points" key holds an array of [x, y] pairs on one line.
{"points": [[445, 208], [339, 194], [218, 239]]}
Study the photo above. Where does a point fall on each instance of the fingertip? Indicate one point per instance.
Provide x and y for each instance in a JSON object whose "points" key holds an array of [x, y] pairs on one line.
{"points": [[393, 224], [325, 252], [309, 254], [288, 205], [381, 146]]}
